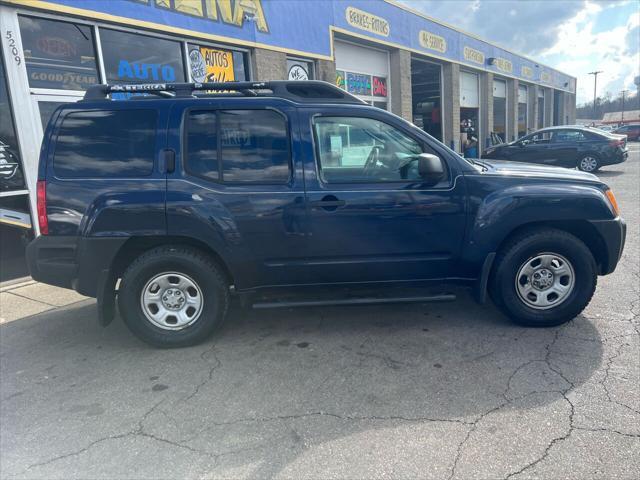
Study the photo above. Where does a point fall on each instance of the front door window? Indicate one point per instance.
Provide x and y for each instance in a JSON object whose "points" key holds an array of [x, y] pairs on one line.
{"points": [[352, 149]]}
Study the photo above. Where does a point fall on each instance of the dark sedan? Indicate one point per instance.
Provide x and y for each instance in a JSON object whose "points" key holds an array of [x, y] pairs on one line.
{"points": [[631, 131], [588, 149]]}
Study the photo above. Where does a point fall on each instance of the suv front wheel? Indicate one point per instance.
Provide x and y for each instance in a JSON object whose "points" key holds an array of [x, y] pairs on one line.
{"points": [[173, 296], [543, 278]]}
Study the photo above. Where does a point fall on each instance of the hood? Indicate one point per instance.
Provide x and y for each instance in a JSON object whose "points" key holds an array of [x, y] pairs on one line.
{"points": [[500, 167]]}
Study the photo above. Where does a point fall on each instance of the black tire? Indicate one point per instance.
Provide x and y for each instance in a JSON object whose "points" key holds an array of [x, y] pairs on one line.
{"points": [[592, 156], [186, 261], [527, 245]]}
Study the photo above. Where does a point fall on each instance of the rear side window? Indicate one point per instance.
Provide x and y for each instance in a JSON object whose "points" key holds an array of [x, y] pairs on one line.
{"points": [[568, 136], [106, 143], [238, 146]]}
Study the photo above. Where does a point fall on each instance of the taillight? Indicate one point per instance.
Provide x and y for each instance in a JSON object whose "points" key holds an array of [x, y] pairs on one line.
{"points": [[41, 195], [617, 143]]}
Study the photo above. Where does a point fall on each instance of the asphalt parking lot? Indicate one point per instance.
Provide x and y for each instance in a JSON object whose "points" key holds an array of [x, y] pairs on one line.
{"points": [[413, 391]]}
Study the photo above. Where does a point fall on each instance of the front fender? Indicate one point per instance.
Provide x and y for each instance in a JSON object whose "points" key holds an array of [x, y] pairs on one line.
{"points": [[504, 210]]}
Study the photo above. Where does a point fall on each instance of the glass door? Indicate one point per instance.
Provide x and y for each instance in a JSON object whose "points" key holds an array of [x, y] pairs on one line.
{"points": [[44, 105]]}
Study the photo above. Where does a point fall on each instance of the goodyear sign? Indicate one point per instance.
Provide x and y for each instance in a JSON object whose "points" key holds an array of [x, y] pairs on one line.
{"points": [[305, 28]]}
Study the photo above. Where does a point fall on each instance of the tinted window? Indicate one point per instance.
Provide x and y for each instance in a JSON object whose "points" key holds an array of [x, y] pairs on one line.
{"points": [[540, 137], [202, 144], [352, 149], [58, 55], [106, 144], [569, 136], [253, 146], [133, 58]]}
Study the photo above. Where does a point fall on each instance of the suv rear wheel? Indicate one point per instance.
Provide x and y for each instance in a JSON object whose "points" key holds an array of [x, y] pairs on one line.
{"points": [[173, 296], [543, 278]]}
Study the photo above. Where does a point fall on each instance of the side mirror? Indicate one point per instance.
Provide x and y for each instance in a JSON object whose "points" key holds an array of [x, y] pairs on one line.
{"points": [[430, 167], [524, 143]]}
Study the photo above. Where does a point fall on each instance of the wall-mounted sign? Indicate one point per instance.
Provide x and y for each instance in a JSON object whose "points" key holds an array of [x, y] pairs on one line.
{"points": [[545, 77], [340, 79], [211, 65], [233, 13], [379, 87], [503, 65], [297, 71], [245, 22], [367, 21], [526, 72], [358, 84], [8, 165], [432, 41], [145, 71], [473, 55]]}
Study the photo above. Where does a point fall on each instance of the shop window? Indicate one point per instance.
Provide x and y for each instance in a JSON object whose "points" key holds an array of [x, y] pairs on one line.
{"points": [[107, 143], [370, 88], [11, 176], [209, 64], [299, 70], [132, 58], [238, 146], [359, 84], [341, 79], [58, 55]]}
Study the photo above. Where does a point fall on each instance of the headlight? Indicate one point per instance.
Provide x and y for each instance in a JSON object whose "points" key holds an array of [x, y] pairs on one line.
{"points": [[612, 202]]}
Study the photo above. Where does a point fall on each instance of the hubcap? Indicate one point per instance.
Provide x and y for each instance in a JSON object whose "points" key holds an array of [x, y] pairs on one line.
{"points": [[588, 164], [545, 281], [171, 301]]}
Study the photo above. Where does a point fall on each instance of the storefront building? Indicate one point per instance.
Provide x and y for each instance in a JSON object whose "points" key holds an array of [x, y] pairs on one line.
{"points": [[445, 81]]}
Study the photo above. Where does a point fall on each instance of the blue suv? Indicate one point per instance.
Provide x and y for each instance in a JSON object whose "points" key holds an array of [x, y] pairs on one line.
{"points": [[170, 199]]}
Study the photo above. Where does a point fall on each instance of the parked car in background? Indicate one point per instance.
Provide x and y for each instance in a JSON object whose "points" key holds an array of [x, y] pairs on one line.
{"points": [[606, 128], [631, 131], [586, 148]]}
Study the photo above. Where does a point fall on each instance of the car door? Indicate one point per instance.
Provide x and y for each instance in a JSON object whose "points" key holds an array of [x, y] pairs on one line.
{"points": [[565, 145], [534, 148], [371, 216], [237, 186]]}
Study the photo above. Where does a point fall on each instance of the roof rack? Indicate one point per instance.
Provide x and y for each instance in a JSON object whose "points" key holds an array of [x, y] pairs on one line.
{"points": [[309, 91]]}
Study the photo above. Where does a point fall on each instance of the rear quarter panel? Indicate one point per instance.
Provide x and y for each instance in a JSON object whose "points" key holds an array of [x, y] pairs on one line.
{"points": [[105, 207]]}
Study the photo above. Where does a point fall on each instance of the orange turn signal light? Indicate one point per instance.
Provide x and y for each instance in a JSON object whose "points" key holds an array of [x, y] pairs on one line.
{"points": [[613, 202]]}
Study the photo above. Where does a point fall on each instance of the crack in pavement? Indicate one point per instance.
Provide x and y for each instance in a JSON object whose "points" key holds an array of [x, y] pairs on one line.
{"points": [[564, 392], [212, 369], [138, 431], [323, 414], [603, 382]]}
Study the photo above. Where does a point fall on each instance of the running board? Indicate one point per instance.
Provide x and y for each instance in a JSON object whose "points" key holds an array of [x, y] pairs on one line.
{"points": [[444, 297]]}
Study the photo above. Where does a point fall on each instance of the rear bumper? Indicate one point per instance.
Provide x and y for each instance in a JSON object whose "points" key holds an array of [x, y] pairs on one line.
{"points": [[620, 156], [613, 233], [79, 263]]}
